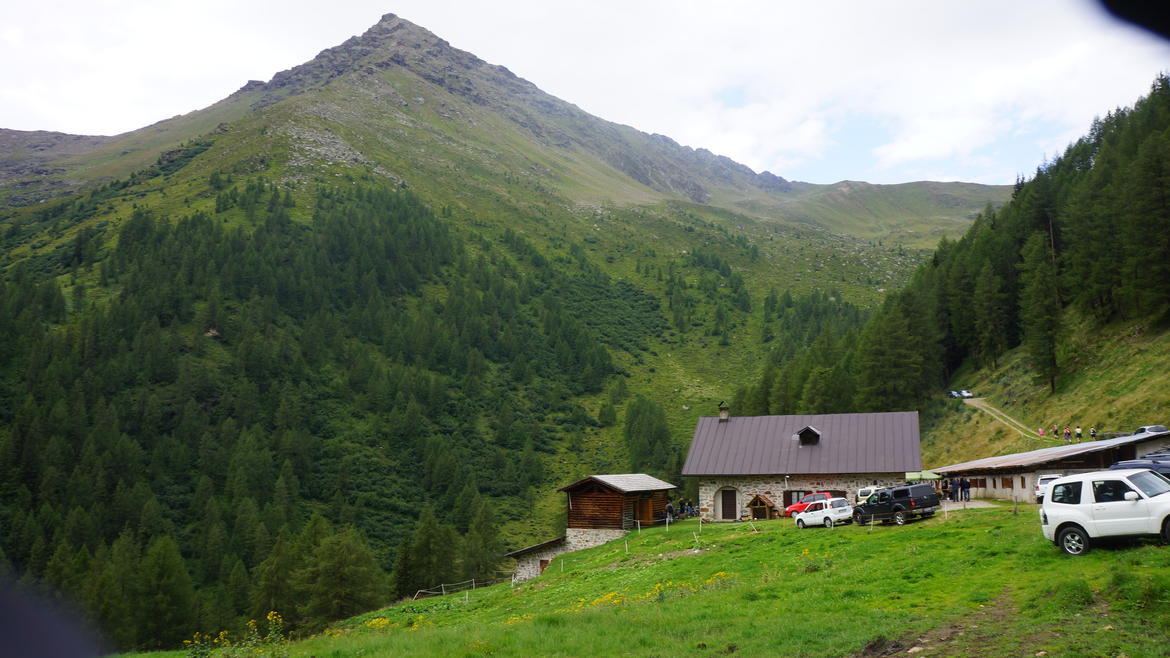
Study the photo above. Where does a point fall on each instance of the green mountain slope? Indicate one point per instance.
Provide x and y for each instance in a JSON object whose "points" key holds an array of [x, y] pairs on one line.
{"points": [[387, 301], [401, 97], [979, 582]]}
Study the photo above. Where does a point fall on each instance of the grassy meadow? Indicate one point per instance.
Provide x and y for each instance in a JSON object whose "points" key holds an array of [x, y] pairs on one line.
{"points": [[1111, 379], [977, 583]]}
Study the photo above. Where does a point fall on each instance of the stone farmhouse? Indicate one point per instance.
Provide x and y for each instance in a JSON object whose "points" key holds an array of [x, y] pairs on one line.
{"points": [[601, 508], [755, 466]]}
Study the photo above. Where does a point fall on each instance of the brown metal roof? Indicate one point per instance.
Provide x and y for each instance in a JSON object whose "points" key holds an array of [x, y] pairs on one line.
{"points": [[767, 445], [625, 482], [1041, 456], [528, 549]]}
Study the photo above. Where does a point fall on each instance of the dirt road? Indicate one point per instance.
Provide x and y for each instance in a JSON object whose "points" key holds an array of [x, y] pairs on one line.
{"points": [[1020, 428]]}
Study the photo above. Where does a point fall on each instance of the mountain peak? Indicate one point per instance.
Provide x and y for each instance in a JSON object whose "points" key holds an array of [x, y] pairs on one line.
{"points": [[391, 41]]}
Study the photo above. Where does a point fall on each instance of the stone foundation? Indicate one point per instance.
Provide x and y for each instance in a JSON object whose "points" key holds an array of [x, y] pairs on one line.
{"points": [[528, 565], [774, 487]]}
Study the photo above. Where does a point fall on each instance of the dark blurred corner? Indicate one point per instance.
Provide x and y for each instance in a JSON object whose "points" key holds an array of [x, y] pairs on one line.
{"points": [[34, 626], [1143, 13]]}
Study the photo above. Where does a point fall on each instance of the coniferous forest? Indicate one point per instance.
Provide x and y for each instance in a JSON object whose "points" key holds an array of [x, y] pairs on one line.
{"points": [[1088, 234], [229, 409]]}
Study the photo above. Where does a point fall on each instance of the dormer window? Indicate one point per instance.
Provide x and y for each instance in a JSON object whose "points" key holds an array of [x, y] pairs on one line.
{"points": [[809, 436]]}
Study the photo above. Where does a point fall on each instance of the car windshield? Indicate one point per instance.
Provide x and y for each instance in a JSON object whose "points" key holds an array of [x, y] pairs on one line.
{"points": [[1151, 483]]}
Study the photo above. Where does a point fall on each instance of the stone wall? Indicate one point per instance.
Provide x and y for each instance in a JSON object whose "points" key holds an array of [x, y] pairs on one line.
{"points": [[528, 565], [775, 486]]}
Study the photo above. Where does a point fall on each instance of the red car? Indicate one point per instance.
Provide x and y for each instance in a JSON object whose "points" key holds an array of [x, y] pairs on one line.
{"points": [[798, 506]]}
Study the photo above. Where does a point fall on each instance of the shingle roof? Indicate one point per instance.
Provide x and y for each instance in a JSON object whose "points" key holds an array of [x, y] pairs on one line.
{"points": [[1042, 455], [765, 445], [626, 482]]}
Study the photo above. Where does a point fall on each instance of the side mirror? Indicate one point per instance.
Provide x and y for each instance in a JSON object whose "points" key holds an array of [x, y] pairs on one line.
{"points": [[1131, 495]]}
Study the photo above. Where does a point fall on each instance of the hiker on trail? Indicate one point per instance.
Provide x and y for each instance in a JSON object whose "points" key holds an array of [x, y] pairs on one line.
{"points": [[1067, 435], [1093, 433], [1041, 432], [1054, 431], [1078, 432]]}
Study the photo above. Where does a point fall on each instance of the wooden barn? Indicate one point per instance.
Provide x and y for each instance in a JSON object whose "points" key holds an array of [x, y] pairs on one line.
{"points": [[601, 508], [617, 501]]}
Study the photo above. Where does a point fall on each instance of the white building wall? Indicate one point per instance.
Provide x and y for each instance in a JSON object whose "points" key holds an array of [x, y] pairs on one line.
{"points": [[774, 486]]}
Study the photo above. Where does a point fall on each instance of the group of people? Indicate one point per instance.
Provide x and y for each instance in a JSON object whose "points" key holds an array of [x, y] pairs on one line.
{"points": [[1054, 432], [683, 509], [956, 489]]}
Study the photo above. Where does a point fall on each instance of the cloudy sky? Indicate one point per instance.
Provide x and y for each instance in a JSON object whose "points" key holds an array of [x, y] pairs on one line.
{"points": [[818, 91]]}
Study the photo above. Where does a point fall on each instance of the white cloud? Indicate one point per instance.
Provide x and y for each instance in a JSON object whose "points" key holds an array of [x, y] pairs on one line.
{"points": [[949, 83]]}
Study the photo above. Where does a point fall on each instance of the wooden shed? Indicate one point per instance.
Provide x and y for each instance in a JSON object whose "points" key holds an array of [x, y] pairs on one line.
{"points": [[618, 502]]}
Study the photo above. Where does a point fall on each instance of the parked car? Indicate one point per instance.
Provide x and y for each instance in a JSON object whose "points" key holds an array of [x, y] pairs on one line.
{"points": [[1157, 465], [825, 512], [966, 394], [1041, 488], [864, 493], [799, 505], [953, 394], [1150, 429], [898, 504], [1085, 507]]}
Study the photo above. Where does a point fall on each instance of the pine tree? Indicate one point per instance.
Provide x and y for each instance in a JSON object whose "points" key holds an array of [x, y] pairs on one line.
{"points": [[481, 551], [889, 363], [165, 599], [274, 586], [991, 315], [341, 579], [1040, 308]]}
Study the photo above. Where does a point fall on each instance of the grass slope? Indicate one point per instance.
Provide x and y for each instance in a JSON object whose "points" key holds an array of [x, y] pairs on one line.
{"points": [[1112, 379], [979, 583]]}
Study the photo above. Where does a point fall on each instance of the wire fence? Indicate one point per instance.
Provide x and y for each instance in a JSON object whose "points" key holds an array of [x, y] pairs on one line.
{"points": [[451, 588]]}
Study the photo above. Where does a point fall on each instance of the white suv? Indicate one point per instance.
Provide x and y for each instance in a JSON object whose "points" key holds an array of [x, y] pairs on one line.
{"points": [[1086, 506], [1042, 483], [825, 512]]}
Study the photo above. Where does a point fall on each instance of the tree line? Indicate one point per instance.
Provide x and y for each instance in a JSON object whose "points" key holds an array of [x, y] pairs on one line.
{"points": [[1087, 235]]}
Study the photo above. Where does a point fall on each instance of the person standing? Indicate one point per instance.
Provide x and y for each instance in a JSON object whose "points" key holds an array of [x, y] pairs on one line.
{"points": [[669, 511], [965, 484], [1067, 435], [1041, 432], [1093, 433], [1078, 433]]}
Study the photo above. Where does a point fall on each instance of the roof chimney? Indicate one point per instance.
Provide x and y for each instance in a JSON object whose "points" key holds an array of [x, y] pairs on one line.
{"points": [[724, 412]]}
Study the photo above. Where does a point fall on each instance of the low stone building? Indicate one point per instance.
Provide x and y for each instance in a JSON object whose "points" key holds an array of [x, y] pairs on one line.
{"points": [[601, 508], [1013, 476], [754, 466]]}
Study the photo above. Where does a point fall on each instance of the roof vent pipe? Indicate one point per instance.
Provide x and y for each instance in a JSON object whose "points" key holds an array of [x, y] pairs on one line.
{"points": [[724, 412]]}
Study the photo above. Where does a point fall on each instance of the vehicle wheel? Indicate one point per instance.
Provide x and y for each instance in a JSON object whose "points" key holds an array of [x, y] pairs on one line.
{"points": [[1166, 530], [859, 518], [1073, 540], [800, 523], [828, 522], [899, 518]]}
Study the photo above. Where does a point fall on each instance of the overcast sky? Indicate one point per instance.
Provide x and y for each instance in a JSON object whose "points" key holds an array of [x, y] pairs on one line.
{"points": [[819, 91]]}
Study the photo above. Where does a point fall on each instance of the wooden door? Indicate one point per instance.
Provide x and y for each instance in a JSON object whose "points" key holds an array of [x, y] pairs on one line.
{"points": [[543, 565], [645, 510], [729, 506]]}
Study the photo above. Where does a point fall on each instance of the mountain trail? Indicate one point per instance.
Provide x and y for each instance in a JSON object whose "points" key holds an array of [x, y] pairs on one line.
{"points": [[1020, 428]]}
